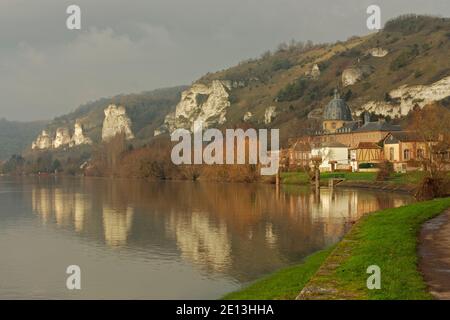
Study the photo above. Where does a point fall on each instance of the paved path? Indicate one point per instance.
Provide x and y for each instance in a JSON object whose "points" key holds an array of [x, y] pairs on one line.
{"points": [[434, 254]]}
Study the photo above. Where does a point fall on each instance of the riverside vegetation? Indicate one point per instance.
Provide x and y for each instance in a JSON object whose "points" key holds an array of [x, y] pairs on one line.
{"points": [[386, 238]]}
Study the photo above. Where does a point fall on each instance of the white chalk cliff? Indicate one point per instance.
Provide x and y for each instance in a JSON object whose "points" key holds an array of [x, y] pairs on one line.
{"points": [[62, 138], [78, 137], [269, 114], [378, 52], [405, 98], [201, 102], [314, 73], [116, 121], [247, 116], [43, 141], [352, 75]]}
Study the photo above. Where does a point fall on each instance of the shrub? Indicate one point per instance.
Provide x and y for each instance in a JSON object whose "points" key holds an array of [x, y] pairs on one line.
{"points": [[386, 169], [293, 91]]}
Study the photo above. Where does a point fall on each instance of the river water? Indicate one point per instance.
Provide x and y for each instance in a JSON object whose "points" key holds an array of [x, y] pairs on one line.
{"points": [[136, 239]]}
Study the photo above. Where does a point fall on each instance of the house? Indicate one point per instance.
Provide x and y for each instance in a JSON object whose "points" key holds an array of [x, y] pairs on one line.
{"points": [[405, 149], [334, 156], [299, 155], [366, 153], [339, 126]]}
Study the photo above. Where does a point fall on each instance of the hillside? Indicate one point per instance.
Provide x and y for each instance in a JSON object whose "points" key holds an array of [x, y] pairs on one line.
{"points": [[16, 136], [387, 73], [417, 50], [146, 111]]}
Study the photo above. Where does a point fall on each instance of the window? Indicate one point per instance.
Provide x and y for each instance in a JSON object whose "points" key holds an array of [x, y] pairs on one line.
{"points": [[420, 154], [406, 154], [391, 153], [333, 125]]}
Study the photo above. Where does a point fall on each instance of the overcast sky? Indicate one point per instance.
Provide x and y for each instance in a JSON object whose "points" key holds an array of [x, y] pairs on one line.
{"points": [[134, 45]]}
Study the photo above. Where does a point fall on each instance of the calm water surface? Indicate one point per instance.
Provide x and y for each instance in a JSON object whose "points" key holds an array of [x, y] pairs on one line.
{"points": [[163, 240]]}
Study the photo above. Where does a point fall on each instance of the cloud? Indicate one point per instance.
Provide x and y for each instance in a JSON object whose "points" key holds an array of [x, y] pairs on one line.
{"points": [[47, 70]]}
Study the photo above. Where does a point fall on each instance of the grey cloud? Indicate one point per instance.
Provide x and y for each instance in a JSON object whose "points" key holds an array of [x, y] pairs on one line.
{"points": [[130, 46]]}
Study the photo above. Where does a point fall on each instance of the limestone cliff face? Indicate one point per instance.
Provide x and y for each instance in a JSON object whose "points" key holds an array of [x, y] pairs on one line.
{"points": [[43, 141], [247, 116], [405, 98], [116, 121], [62, 138], [352, 75], [206, 103], [78, 137], [314, 73], [270, 114], [378, 52]]}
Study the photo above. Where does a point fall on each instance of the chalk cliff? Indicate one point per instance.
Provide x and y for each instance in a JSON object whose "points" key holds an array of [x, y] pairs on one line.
{"points": [[352, 75], [405, 98], [43, 141], [116, 121], [78, 137], [62, 138], [201, 102], [269, 114]]}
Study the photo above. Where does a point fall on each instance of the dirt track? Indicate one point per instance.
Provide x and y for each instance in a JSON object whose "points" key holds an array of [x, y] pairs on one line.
{"points": [[434, 254]]}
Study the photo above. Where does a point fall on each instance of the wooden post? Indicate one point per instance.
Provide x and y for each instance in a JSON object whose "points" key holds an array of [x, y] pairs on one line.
{"points": [[317, 178]]}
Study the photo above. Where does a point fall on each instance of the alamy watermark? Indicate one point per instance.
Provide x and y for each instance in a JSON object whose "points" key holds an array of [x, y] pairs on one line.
{"points": [[374, 280], [73, 281], [229, 149], [73, 21]]}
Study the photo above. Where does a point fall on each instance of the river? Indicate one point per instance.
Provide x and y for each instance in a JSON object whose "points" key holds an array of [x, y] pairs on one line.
{"points": [[135, 239]]}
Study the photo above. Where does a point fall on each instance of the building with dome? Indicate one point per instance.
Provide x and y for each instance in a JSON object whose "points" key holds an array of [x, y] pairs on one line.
{"points": [[336, 115]]}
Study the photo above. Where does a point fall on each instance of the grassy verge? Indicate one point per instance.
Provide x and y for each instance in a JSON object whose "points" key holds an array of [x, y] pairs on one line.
{"points": [[387, 239], [302, 178], [283, 284]]}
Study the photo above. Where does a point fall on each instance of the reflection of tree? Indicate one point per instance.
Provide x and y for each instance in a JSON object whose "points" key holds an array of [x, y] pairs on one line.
{"points": [[242, 230]]}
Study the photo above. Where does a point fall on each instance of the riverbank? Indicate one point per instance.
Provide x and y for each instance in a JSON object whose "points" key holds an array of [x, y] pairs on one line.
{"points": [[398, 182], [386, 238]]}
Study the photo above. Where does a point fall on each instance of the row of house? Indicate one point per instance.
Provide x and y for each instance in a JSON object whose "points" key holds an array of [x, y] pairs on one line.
{"points": [[345, 144]]}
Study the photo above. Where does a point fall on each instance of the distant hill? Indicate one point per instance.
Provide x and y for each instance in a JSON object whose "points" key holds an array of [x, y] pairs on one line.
{"points": [[16, 136], [417, 50], [296, 81], [146, 111]]}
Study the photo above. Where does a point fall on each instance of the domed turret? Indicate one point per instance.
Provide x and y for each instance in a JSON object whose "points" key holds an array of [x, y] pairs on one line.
{"points": [[336, 114], [337, 109]]}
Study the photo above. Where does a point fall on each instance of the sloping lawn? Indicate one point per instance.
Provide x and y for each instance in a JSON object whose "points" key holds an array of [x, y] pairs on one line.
{"points": [[284, 284], [387, 239]]}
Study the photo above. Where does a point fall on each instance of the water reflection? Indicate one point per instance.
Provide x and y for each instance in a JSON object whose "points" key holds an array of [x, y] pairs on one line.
{"points": [[241, 231]]}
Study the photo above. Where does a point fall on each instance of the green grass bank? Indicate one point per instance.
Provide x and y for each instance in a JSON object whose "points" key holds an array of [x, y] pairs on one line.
{"points": [[386, 238], [301, 178], [283, 284]]}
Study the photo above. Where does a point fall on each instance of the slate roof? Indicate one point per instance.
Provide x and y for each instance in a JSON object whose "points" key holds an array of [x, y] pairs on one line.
{"points": [[337, 109], [378, 126]]}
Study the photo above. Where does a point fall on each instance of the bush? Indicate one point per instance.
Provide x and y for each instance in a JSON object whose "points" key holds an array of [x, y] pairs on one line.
{"points": [[293, 91], [281, 64], [386, 169], [404, 58]]}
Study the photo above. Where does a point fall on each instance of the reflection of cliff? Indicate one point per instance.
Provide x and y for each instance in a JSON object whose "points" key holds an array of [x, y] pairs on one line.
{"points": [[200, 240], [117, 225], [240, 230], [41, 203], [69, 208]]}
